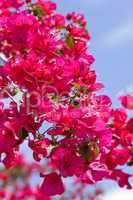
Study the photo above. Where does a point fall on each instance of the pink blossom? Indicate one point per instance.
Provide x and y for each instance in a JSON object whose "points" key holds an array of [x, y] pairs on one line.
{"points": [[52, 185], [67, 163], [127, 101], [130, 125], [122, 178], [99, 171], [48, 69]]}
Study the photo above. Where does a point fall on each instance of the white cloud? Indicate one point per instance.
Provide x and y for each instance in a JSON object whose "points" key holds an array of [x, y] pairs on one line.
{"points": [[120, 195], [121, 34]]}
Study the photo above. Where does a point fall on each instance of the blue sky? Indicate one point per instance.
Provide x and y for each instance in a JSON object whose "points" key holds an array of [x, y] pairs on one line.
{"points": [[110, 23]]}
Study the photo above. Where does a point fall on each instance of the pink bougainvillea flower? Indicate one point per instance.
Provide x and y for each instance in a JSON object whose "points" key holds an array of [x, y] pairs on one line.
{"points": [[52, 185], [130, 125], [39, 148], [46, 75], [122, 178], [77, 18], [87, 177], [119, 117], [47, 6], [99, 171], [99, 125], [11, 158], [11, 4], [127, 138], [96, 87], [127, 101], [6, 142], [103, 100], [59, 20], [105, 138], [2, 193], [67, 163], [117, 157]]}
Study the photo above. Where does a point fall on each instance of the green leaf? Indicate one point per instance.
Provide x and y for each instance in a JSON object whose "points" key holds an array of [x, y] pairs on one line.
{"points": [[37, 10], [70, 41], [84, 148], [23, 133], [96, 148], [85, 152], [75, 103]]}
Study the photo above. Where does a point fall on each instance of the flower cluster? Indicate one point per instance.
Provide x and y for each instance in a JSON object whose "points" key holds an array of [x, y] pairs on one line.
{"points": [[48, 69], [15, 183]]}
